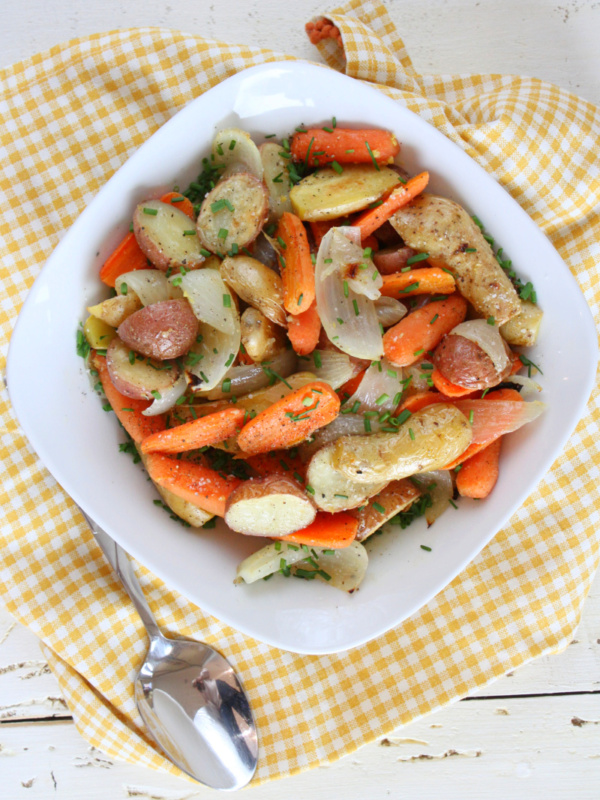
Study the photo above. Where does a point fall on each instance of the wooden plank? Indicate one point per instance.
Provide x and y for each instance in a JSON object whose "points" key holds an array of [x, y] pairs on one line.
{"points": [[520, 748]]}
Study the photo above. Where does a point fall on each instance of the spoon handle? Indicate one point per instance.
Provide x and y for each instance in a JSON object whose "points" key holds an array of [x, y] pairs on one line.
{"points": [[121, 564]]}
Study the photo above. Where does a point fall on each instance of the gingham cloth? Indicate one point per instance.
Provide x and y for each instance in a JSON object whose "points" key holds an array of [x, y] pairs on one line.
{"points": [[70, 117]]}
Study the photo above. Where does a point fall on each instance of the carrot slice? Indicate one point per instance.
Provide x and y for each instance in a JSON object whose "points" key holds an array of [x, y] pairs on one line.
{"points": [[290, 420], [420, 400], [197, 433], [422, 329], [125, 258], [373, 218], [179, 201], [327, 530], [320, 228], [318, 147], [196, 483], [298, 274], [427, 280], [448, 388], [479, 473], [127, 409], [304, 330]]}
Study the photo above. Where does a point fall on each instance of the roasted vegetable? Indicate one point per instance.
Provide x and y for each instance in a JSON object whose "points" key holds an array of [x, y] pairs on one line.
{"points": [[166, 235]]}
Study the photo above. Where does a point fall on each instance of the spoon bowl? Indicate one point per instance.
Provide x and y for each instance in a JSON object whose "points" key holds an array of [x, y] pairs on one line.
{"points": [[188, 695]]}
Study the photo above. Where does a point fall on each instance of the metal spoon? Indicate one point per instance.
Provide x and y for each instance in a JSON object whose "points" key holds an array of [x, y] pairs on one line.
{"points": [[188, 695]]}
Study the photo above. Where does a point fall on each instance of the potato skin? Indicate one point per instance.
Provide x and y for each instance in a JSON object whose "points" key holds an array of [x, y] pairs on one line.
{"points": [[256, 285], [464, 363], [137, 379], [162, 236], [162, 331], [396, 497], [258, 507], [261, 338]]}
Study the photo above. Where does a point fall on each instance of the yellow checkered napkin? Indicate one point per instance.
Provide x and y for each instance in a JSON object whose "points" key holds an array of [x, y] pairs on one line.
{"points": [[70, 117]]}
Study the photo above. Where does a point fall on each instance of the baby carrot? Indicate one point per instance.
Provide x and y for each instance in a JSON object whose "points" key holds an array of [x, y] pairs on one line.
{"points": [[125, 258], [179, 201], [427, 280], [320, 227], [297, 273], [420, 400], [448, 388], [422, 329], [478, 474], [304, 330], [327, 530], [199, 485], [128, 410], [374, 218], [280, 462], [319, 146], [197, 433], [290, 420]]}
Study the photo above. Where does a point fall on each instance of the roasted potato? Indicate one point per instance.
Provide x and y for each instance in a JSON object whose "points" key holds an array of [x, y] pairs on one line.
{"points": [[166, 236], [233, 213], [395, 497], [115, 310], [522, 330], [136, 376], [444, 230], [328, 195], [276, 178], [334, 491], [440, 433], [260, 337], [273, 506], [392, 259], [162, 331], [99, 334], [235, 150], [256, 285], [465, 363]]}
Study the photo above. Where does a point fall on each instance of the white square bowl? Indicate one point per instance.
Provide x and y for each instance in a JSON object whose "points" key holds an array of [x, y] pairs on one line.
{"points": [[78, 442]]}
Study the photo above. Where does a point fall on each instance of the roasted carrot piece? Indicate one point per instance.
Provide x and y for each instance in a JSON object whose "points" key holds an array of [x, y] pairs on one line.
{"points": [[320, 228], [298, 274], [197, 433], [290, 420], [126, 258], [420, 400], [128, 410], [280, 462], [179, 201], [318, 147], [196, 483], [448, 388], [478, 474], [327, 530], [426, 280], [422, 329], [374, 218], [304, 330]]}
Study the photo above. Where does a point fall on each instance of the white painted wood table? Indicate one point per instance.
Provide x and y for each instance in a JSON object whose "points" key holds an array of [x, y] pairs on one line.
{"points": [[532, 734]]}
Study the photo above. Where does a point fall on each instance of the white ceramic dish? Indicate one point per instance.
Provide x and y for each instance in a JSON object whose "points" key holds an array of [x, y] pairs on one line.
{"points": [[78, 441]]}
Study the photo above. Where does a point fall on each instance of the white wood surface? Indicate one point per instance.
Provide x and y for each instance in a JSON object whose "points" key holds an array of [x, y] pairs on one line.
{"points": [[533, 734]]}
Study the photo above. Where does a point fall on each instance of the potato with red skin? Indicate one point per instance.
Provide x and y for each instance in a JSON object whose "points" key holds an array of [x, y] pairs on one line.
{"points": [[162, 331], [137, 377], [465, 363], [273, 506]]}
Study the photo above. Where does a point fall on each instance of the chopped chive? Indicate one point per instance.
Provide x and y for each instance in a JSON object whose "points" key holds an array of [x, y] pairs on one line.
{"points": [[424, 547], [378, 507], [156, 395], [152, 212], [397, 398], [433, 319], [411, 433], [189, 233], [205, 253], [300, 299], [452, 503], [419, 352], [367, 424], [411, 287], [131, 357], [270, 135], [343, 496], [350, 151], [471, 250], [310, 489], [403, 416], [382, 399], [223, 233], [227, 300], [373, 159], [356, 309], [317, 359], [471, 415], [416, 258], [340, 320], [226, 385], [346, 289], [329, 130], [491, 321], [337, 167]]}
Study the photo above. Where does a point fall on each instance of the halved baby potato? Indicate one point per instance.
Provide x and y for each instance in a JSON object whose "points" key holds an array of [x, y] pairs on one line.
{"points": [[233, 213], [235, 150], [326, 194], [522, 330], [260, 337], [334, 491], [135, 376], [273, 506], [166, 236], [257, 285], [162, 331], [393, 499], [99, 334], [115, 310]]}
